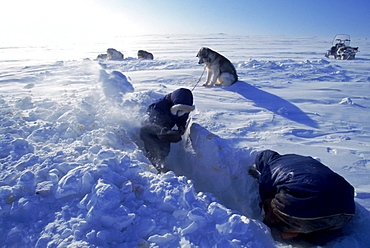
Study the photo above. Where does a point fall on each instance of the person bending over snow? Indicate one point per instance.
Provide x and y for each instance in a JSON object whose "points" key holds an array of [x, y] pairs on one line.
{"points": [[156, 131], [302, 198]]}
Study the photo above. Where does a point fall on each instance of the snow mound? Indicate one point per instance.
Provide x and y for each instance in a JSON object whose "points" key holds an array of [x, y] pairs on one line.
{"points": [[73, 176]]}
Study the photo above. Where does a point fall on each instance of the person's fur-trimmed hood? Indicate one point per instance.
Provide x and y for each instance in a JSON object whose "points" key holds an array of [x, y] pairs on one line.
{"points": [[181, 109]]}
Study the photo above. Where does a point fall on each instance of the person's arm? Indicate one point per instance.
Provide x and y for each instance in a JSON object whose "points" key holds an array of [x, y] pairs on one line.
{"points": [[182, 123], [159, 118], [266, 182], [159, 113]]}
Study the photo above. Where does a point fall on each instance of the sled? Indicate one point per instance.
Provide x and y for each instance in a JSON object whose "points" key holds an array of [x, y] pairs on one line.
{"points": [[341, 48]]}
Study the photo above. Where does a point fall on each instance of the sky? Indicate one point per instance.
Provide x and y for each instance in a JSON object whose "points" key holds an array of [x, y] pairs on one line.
{"points": [[127, 17]]}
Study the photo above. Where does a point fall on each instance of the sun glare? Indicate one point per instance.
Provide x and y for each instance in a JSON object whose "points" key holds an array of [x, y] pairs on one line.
{"points": [[77, 18]]}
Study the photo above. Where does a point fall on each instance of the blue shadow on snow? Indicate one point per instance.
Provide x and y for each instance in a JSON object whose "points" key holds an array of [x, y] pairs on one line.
{"points": [[272, 103]]}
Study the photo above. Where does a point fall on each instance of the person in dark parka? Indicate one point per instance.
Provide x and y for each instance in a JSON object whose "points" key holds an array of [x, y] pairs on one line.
{"points": [[302, 197], [163, 115]]}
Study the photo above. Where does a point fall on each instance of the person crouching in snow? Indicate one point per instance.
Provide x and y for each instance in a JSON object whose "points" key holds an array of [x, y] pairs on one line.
{"points": [[156, 131], [302, 198]]}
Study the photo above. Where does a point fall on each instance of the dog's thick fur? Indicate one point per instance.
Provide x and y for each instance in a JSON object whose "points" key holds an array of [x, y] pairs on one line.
{"points": [[112, 54], [220, 70], [142, 54]]}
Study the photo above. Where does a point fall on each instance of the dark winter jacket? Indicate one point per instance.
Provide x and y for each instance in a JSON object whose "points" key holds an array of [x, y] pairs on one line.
{"points": [[160, 111], [310, 189]]}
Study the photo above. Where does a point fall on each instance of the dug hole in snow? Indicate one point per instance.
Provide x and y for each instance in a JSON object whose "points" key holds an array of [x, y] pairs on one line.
{"points": [[217, 168]]}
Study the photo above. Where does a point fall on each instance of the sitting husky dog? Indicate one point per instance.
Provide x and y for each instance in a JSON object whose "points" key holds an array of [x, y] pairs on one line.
{"points": [[141, 54], [220, 70]]}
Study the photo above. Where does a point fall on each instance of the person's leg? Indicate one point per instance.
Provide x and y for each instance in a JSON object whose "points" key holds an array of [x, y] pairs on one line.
{"points": [[155, 150]]}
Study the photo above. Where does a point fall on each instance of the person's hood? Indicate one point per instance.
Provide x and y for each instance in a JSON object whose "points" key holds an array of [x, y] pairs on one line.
{"points": [[181, 109], [182, 96], [182, 100], [264, 158]]}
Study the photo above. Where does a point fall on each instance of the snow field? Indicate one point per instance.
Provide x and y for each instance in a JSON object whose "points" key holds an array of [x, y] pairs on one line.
{"points": [[72, 173]]}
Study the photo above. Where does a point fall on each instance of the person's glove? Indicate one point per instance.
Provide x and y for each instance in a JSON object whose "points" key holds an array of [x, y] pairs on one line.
{"points": [[252, 170], [164, 130], [181, 130], [171, 136]]}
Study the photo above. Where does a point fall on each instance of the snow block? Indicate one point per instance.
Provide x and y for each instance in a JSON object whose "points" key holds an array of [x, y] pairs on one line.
{"points": [[115, 85], [78, 181], [104, 207], [5, 145]]}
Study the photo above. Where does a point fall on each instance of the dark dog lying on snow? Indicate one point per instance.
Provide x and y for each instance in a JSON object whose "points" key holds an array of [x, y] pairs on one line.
{"points": [[141, 54]]}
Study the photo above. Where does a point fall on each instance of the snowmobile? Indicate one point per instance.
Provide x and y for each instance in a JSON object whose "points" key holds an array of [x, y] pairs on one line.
{"points": [[341, 48]]}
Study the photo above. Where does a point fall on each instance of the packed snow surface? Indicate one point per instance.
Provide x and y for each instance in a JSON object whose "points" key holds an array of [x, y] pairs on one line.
{"points": [[72, 173]]}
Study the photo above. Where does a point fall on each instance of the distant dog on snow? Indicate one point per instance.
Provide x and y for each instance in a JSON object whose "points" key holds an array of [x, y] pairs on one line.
{"points": [[220, 70], [112, 54], [141, 54]]}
